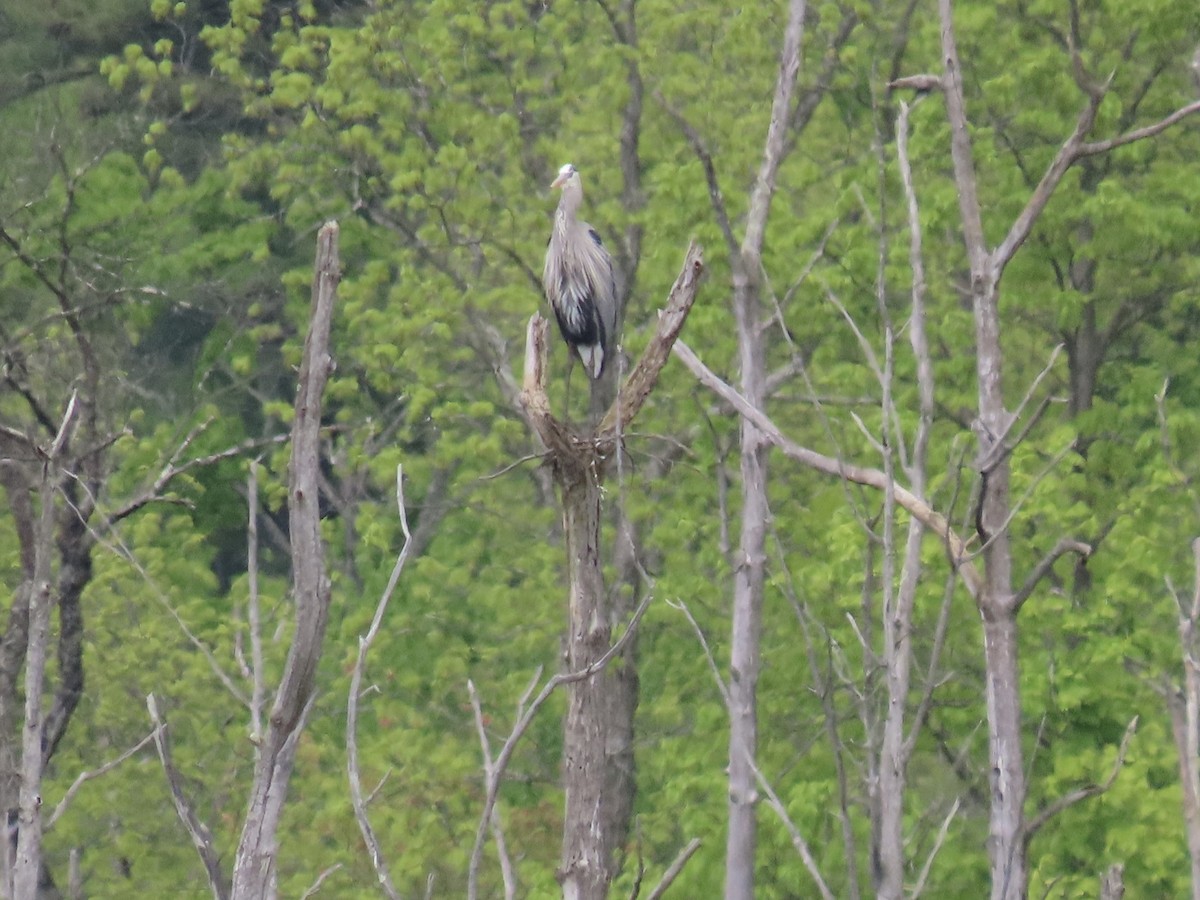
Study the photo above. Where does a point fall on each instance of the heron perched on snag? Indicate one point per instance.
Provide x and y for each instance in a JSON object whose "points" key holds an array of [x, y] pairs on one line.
{"points": [[580, 281]]}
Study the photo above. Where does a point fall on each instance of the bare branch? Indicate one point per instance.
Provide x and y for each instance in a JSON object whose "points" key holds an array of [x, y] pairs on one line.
{"points": [[960, 146], [1063, 160], [254, 871], [316, 885], [1082, 793], [674, 869], [118, 546], [506, 866], [360, 665], [524, 719], [937, 845], [922, 83], [255, 626], [935, 653], [173, 469], [775, 145], [64, 429], [1064, 545], [1138, 134], [716, 198], [835, 467], [916, 325], [641, 380], [83, 777], [202, 838], [34, 733], [773, 800]]}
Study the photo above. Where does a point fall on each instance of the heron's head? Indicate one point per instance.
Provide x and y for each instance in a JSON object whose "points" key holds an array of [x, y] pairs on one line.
{"points": [[566, 175]]}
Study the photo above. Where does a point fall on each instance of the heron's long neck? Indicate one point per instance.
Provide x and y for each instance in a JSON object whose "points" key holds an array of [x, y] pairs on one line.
{"points": [[568, 205]]}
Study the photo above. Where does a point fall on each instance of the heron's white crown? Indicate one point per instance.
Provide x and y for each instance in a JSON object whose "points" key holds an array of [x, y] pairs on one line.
{"points": [[564, 175]]}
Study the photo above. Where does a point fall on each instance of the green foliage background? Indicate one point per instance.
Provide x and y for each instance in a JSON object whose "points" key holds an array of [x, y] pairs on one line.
{"points": [[213, 139]]}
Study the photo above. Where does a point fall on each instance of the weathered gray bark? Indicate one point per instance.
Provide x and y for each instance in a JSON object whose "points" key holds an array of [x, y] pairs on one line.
{"points": [[1112, 883], [597, 781], [897, 745], [590, 824], [254, 873], [1184, 706], [750, 565], [998, 603], [29, 820]]}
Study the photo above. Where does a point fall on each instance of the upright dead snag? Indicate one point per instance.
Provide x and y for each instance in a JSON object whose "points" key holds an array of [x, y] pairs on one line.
{"points": [[254, 874], [593, 820]]}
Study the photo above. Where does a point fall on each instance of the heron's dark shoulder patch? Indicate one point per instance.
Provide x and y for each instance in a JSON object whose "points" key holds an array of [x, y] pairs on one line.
{"points": [[595, 237]]}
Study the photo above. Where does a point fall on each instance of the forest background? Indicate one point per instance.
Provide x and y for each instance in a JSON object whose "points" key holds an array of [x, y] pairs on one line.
{"points": [[166, 168]]}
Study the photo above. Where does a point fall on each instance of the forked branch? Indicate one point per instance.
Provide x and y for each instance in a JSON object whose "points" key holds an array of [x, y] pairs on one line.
{"points": [[837, 468]]}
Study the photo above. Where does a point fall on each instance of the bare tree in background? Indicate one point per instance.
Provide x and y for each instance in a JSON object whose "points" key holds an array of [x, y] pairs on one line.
{"points": [[987, 572], [791, 110], [255, 863], [1183, 703], [997, 432], [54, 467]]}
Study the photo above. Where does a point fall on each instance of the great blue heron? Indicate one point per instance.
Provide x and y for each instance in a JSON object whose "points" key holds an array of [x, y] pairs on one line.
{"points": [[579, 279]]}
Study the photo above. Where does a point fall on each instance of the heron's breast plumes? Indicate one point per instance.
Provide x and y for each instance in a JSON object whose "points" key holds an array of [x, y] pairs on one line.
{"points": [[580, 285]]}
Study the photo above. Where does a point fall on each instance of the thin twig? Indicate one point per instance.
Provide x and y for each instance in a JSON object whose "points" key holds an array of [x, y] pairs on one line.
{"points": [[202, 838], [316, 885], [716, 198], [360, 665], [83, 777], [674, 869], [1082, 793], [937, 845], [506, 866], [773, 800], [1064, 545]]}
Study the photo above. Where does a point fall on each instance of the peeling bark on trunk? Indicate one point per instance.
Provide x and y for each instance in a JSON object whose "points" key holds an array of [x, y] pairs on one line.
{"points": [[589, 828]]}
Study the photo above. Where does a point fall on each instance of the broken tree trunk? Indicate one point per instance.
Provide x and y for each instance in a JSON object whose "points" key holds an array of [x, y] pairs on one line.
{"points": [[254, 872], [595, 820]]}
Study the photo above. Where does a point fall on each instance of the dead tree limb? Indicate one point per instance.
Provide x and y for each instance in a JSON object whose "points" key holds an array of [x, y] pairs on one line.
{"points": [[1066, 801], [525, 716], [360, 667], [674, 869], [916, 506], [27, 865], [254, 872], [1183, 703], [202, 838]]}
